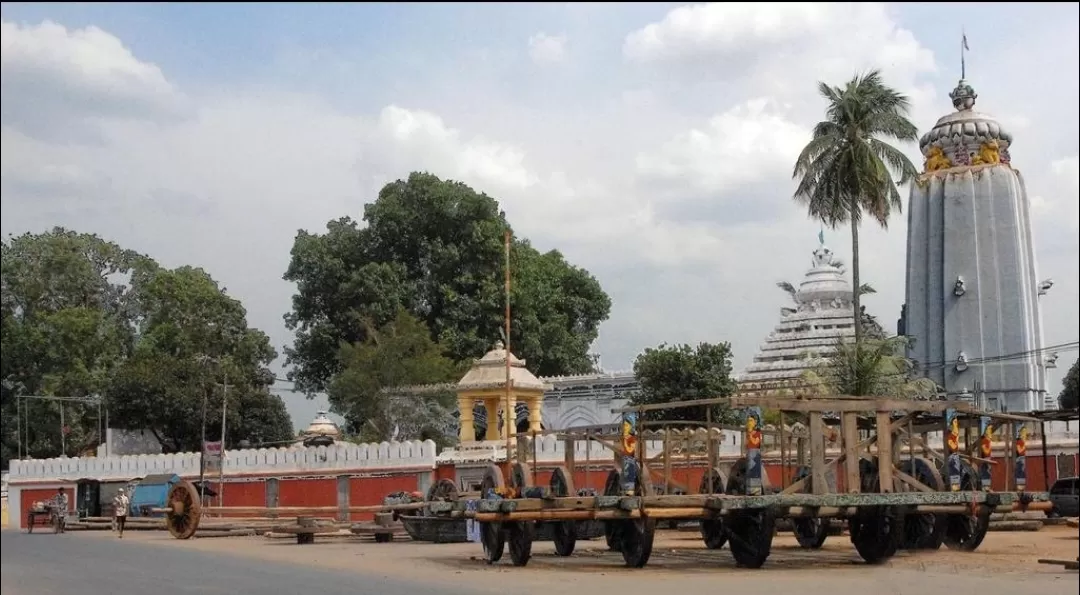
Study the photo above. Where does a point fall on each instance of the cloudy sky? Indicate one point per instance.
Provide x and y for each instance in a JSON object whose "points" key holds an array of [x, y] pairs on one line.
{"points": [[651, 143]]}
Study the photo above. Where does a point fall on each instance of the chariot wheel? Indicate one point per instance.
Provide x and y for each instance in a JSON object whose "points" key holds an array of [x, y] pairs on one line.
{"points": [[712, 530], [636, 541], [185, 510], [923, 531], [520, 479], [632, 537], [810, 532], [564, 533], [492, 536], [876, 531], [520, 535], [965, 532], [612, 487], [444, 489], [750, 531]]}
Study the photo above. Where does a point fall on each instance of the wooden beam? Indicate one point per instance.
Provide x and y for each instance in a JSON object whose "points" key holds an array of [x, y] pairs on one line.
{"points": [[849, 436], [911, 481], [818, 484], [801, 484], [884, 451], [848, 404]]}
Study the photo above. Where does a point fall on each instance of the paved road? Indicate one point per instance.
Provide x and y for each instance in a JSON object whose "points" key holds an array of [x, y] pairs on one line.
{"points": [[46, 564]]}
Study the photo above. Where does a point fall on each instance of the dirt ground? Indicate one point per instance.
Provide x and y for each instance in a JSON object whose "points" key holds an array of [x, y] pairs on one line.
{"points": [[1006, 562]]}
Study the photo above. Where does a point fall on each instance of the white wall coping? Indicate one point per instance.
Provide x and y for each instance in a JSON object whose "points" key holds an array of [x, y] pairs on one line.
{"points": [[340, 456]]}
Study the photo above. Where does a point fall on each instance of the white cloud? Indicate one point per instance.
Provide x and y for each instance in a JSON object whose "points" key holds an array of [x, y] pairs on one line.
{"points": [[781, 52], [1067, 200], [668, 175], [547, 49], [721, 163], [75, 74], [481, 162]]}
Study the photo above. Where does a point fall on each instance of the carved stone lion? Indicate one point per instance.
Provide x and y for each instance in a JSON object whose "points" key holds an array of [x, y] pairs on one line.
{"points": [[989, 154], [936, 160]]}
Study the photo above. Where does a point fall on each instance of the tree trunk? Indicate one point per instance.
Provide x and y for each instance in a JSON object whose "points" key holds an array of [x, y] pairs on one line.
{"points": [[856, 299]]}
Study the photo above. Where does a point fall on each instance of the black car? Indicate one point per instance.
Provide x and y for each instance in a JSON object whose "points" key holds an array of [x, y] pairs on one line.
{"points": [[1064, 497]]}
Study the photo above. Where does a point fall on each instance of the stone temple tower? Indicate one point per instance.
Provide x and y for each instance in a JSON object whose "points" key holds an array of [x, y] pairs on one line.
{"points": [[972, 289]]}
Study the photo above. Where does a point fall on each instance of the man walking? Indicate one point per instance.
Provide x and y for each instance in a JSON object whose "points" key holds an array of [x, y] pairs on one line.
{"points": [[60, 509], [120, 510]]}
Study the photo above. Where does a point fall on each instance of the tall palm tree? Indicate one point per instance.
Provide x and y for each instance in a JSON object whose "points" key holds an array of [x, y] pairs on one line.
{"points": [[847, 170]]}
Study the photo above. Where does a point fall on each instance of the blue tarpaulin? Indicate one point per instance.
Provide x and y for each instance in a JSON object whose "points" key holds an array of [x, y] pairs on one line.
{"points": [[151, 492]]}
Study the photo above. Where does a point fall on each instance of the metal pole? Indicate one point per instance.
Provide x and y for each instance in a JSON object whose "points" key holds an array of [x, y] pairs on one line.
{"points": [[18, 422], [1046, 465], [221, 465], [63, 434], [107, 429], [510, 417], [202, 447]]}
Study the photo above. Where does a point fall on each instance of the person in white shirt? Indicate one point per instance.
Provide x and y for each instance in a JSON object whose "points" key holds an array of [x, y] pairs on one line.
{"points": [[120, 510], [60, 507]]}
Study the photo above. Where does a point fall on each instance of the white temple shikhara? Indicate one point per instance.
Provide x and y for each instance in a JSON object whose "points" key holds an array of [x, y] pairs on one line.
{"points": [[809, 332], [972, 303], [486, 382]]}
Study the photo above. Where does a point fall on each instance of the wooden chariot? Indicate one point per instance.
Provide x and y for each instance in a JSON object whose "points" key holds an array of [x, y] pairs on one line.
{"points": [[883, 479]]}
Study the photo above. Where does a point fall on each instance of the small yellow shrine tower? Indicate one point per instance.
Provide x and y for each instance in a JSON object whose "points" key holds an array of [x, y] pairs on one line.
{"points": [[486, 382]]}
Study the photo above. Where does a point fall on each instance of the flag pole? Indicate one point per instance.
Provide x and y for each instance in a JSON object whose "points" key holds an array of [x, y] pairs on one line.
{"points": [[963, 48], [510, 416]]}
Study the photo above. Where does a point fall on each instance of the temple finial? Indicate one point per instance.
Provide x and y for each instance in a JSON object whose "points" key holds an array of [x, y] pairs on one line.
{"points": [[963, 96]]}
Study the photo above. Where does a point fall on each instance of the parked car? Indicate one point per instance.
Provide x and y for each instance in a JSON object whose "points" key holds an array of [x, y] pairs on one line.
{"points": [[1065, 498]]}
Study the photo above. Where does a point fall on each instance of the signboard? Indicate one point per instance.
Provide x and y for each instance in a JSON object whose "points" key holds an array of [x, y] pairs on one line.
{"points": [[211, 456]]}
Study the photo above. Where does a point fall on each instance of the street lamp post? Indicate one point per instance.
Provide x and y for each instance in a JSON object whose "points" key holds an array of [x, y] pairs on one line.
{"points": [[221, 462], [202, 449]]}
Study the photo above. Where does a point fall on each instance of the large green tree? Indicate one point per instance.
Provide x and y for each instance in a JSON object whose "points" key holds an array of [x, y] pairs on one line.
{"points": [[85, 319], [1070, 393], [399, 354], [435, 248], [849, 170], [194, 348], [672, 373], [66, 303]]}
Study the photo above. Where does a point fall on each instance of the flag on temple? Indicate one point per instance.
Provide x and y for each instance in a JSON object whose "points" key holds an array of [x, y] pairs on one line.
{"points": [[965, 42], [821, 236]]}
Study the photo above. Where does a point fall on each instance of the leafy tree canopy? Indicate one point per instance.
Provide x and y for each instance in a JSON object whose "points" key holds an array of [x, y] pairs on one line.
{"points": [[398, 354], [1070, 394], [192, 340], [876, 368], [435, 248], [672, 373], [84, 318]]}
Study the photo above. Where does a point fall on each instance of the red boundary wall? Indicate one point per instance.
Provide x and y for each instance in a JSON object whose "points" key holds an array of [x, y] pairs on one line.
{"points": [[371, 488]]}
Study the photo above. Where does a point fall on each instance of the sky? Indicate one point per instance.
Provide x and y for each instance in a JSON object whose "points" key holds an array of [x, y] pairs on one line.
{"points": [[652, 144]]}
